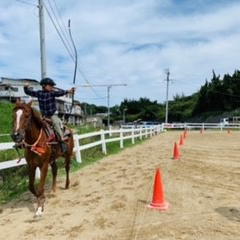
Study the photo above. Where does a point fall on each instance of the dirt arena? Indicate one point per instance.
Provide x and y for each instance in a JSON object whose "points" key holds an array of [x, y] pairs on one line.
{"points": [[108, 200]]}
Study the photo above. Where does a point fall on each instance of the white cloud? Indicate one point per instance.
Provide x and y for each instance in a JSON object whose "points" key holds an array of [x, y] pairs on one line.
{"points": [[129, 41]]}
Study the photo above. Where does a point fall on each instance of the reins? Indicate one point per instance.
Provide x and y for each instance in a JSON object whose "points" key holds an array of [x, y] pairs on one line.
{"points": [[34, 144]]}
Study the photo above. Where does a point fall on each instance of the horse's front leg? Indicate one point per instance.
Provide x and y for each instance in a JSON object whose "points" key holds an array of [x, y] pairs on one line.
{"points": [[31, 186], [41, 196]]}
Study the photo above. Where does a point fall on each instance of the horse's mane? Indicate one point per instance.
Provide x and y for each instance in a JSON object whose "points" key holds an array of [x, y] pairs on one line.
{"points": [[37, 117]]}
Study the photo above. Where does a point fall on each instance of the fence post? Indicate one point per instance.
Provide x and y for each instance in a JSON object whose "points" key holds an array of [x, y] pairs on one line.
{"points": [[133, 139], [221, 126], [146, 131], [110, 131], [140, 132], [121, 138], [76, 144], [104, 149]]}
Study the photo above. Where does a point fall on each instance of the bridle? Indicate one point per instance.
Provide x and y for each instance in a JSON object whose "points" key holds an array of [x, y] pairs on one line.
{"points": [[23, 143]]}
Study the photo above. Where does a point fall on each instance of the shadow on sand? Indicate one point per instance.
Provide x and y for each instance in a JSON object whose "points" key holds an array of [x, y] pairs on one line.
{"points": [[231, 213]]}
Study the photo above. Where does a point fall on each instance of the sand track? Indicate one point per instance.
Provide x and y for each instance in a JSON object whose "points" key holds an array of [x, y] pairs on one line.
{"points": [[108, 199]]}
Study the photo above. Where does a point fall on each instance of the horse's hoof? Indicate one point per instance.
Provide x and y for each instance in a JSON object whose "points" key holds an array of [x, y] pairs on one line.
{"points": [[53, 192], [39, 213]]}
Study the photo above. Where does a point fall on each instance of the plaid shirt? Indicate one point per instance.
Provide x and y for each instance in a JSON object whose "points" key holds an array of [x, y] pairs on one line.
{"points": [[47, 102]]}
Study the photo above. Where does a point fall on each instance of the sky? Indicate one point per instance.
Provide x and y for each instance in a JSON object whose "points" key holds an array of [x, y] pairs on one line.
{"points": [[130, 42]]}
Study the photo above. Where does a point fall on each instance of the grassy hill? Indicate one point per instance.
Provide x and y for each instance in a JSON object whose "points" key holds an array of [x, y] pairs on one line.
{"points": [[6, 119]]}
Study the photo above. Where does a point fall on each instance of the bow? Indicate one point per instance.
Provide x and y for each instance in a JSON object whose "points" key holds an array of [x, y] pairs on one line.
{"points": [[76, 61]]}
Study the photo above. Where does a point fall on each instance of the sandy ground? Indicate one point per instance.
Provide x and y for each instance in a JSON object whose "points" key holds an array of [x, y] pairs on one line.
{"points": [[108, 200]]}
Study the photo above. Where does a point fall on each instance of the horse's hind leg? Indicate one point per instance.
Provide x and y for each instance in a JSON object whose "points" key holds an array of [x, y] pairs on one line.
{"points": [[67, 168], [54, 173]]}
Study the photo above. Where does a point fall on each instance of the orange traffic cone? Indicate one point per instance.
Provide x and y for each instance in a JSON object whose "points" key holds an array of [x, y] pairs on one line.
{"points": [[181, 141], [176, 153], [202, 130], [158, 200], [229, 131], [185, 134]]}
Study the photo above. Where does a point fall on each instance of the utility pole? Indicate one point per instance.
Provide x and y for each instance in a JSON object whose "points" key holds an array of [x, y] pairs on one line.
{"points": [[108, 97], [166, 114], [42, 39], [108, 93]]}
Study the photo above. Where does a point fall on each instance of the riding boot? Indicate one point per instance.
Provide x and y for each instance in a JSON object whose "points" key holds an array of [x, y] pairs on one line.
{"points": [[64, 146]]}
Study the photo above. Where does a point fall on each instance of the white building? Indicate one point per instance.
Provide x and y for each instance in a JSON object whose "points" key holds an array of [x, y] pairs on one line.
{"points": [[12, 89]]}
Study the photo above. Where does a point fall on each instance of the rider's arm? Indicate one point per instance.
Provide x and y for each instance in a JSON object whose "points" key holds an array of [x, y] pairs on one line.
{"points": [[60, 93], [30, 92], [63, 92]]}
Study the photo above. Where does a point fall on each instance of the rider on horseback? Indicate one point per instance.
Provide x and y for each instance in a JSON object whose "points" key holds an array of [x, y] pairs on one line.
{"points": [[47, 104]]}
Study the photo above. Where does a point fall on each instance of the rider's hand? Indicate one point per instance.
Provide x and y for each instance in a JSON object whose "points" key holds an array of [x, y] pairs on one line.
{"points": [[72, 90]]}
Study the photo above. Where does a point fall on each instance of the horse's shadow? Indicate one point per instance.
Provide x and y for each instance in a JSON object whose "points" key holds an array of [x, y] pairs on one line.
{"points": [[16, 205], [231, 213], [28, 201]]}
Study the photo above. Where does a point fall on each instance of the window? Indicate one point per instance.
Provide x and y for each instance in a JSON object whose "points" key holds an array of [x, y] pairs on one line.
{"points": [[14, 89]]}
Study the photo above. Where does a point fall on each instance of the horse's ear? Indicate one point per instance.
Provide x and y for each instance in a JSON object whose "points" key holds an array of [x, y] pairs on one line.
{"points": [[29, 104]]}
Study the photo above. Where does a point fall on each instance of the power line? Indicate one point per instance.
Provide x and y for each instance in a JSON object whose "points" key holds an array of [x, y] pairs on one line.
{"points": [[94, 98], [80, 69], [109, 86], [65, 35], [59, 34], [27, 2], [71, 55], [65, 28]]}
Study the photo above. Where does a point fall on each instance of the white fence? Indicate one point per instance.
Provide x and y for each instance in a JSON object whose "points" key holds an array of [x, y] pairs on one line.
{"points": [[125, 132], [105, 137], [191, 126]]}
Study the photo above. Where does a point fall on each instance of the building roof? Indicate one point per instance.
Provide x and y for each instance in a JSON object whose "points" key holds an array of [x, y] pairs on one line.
{"points": [[19, 80]]}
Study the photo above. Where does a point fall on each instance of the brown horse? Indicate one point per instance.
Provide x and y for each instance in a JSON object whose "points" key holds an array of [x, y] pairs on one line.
{"points": [[29, 132]]}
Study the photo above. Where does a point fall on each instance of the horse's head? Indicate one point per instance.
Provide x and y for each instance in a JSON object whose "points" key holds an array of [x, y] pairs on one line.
{"points": [[21, 114]]}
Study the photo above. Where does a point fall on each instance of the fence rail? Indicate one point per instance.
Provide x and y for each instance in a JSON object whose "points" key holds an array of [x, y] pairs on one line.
{"points": [[104, 136], [190, 126]]}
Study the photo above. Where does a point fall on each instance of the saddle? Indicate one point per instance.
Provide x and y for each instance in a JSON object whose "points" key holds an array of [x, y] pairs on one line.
{"points": [[52, 134]]}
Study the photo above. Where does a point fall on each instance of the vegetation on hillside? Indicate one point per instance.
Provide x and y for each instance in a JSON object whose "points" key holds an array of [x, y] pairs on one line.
{"points": [[219, 94], [6, 120], [215, 97]]}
